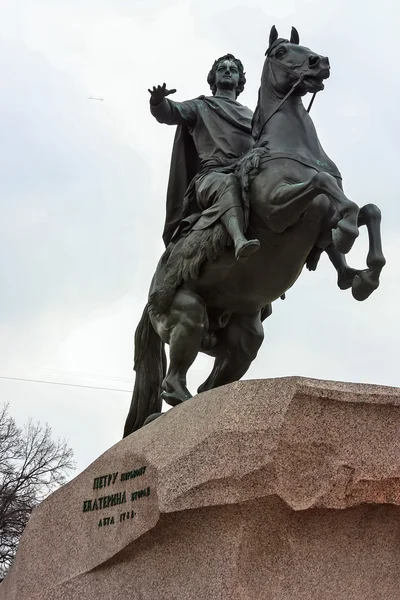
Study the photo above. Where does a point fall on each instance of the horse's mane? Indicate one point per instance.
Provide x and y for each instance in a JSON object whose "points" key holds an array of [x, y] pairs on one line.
{"points": [[255, 122]]}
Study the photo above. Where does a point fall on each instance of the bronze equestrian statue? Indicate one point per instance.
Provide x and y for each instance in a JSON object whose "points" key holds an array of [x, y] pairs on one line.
{"points": [[252, 199]]}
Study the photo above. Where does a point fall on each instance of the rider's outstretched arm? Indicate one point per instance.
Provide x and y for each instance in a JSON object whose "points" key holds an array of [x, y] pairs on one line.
{"points": [[170, 112]]}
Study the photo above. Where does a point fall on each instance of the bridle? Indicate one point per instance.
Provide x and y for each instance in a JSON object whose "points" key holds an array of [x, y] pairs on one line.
{"points": [[300, 80]]}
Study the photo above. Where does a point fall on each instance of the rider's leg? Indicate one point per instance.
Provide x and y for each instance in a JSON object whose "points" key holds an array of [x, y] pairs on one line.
{"points": [[233, 220], [219, 197], [183, 328]]}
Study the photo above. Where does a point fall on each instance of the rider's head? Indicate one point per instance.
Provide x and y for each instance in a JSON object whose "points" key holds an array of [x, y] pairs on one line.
{"points": [[227, 73]]}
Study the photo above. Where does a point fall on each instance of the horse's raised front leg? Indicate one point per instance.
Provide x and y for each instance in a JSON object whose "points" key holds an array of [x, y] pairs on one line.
{"points": [[363, 282], [183, 328], [289, 201], [367, 280], [345, 273], [238, 345]]}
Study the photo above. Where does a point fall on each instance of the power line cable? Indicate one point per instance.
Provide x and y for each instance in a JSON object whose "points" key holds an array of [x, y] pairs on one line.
{"points": [[91, 387], [81, 373]]}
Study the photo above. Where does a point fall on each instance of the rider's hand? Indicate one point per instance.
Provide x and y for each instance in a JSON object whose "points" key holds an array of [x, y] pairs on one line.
{"points": [[159, 93]]}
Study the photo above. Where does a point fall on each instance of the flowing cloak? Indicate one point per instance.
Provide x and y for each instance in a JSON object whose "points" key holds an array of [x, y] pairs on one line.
{"points": [[222, 129], [185, 164]]}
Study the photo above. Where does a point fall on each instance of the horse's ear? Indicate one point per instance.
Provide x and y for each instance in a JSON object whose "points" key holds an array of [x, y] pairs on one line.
{"points": [[294, 36], [273, 36]]}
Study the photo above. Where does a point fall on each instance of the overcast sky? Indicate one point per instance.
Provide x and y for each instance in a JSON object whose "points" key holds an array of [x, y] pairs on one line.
{"points": [[83, 191]]}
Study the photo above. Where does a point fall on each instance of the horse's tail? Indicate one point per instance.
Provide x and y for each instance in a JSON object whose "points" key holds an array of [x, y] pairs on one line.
{"points": [[150, 366]]}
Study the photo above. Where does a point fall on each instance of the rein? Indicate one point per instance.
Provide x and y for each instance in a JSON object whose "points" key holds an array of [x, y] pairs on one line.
{"points": [[290, 92], [311, 102]]}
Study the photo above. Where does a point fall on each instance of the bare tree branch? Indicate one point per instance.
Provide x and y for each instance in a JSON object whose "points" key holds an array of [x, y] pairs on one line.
{"points": [[32, 465]]}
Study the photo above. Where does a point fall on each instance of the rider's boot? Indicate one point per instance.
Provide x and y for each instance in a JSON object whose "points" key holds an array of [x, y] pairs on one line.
{"points": [[234, 222]]}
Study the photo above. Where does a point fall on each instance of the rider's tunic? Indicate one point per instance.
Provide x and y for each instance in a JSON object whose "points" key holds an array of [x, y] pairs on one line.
{"points": [[221, 132]]}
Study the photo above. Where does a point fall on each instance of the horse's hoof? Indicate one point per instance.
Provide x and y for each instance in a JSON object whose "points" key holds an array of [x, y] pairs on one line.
{"points": [[312, 262], [345, 279], [343, 240], [246, 248], [174, 398], [364, 284], [151, 418]]}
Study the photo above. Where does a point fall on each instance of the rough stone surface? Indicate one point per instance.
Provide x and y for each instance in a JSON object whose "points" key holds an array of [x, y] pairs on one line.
{"points": [[261, 490]]}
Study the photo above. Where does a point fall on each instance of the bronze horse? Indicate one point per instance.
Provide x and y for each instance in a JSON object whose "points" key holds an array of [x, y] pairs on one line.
{"points": [[201, 298]]}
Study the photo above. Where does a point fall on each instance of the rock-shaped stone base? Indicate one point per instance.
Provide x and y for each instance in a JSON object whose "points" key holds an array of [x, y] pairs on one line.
{"points": [[261, 490]]}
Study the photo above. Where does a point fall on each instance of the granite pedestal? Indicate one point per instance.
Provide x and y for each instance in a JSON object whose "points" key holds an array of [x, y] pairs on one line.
{"points": [[280, 489]]}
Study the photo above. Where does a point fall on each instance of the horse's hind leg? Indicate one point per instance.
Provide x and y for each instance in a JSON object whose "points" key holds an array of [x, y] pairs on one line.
{"points": [[183, 328], [238, 344]]}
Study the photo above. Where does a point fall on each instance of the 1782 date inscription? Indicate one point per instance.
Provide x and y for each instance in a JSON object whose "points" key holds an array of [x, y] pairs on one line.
{"points": [[109, 499]]}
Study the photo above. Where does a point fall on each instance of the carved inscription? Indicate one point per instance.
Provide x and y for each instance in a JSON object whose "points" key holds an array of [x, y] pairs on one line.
{"points": [[104, 502], [127, 515], [104, 480], [110, 499], [140, 494], [105, 521], [132, 474]]}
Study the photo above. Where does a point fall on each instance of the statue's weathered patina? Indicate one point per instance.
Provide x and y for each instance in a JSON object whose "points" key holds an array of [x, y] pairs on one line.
{"points": [[252, 199]]}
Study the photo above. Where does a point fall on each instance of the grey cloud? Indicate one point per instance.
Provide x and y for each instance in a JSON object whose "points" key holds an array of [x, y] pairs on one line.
{"points": [[73, 197]]}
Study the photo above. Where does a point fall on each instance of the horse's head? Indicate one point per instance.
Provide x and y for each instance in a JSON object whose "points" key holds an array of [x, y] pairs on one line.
{"points": [[287, 63]]}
